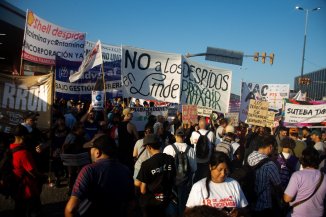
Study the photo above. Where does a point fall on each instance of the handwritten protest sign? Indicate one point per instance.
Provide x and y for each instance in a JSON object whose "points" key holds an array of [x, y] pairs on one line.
{"points": [[233, 118], [44, 41], [270, 120], [205, 86], [205, 112], [257, 113], [272, 93], [189, 114], [151, 75]]}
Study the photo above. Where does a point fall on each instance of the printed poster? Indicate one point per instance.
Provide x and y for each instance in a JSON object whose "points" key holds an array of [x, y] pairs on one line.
{"points": [[299, 113], [20, 94], [44, 41]]}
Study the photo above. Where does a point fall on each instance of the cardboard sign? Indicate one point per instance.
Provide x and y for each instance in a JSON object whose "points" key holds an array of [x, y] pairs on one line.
{"points": [[205, 112], [189, 114], [233, 118], [257, 113]]}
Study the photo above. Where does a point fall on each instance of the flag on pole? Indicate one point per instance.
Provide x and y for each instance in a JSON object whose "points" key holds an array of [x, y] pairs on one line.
{"points": [[93, 58], [300, 96]]}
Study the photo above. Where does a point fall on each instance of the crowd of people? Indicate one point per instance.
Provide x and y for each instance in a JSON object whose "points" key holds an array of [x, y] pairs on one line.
{"points": [[170, 168]]}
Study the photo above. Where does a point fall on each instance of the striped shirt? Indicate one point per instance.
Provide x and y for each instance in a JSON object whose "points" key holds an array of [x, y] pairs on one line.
{"points": [[266, 176]]}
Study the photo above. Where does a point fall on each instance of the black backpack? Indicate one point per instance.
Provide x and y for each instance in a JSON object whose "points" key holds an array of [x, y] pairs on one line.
{"points": [[8, 182], [183, 170], [202, 146], [246, 176]]}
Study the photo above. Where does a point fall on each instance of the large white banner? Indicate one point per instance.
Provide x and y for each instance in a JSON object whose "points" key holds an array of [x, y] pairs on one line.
{"points": [[296, 113], [206, 86], [151, 75], [20, 94], [272, 93], [45, 40], [140, 115]]}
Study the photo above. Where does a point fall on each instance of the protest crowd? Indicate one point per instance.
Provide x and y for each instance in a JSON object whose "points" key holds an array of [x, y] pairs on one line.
{"points": [[206, 167], [128, 131]]}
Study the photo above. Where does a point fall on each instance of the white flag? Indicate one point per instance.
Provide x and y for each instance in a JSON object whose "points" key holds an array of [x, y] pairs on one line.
{"points": [[300, 96], [93, 58]]}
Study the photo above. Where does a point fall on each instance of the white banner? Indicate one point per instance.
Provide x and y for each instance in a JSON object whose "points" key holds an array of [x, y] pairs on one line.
{"points": [[295, 113], [110, 53], [205, 112], [45, 40], [206, 86], [272, 93], [84, 88], [151, 75], [140, 115]]}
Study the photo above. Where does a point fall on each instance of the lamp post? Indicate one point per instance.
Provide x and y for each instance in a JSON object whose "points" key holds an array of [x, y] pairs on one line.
{"points": [[305, 33]]}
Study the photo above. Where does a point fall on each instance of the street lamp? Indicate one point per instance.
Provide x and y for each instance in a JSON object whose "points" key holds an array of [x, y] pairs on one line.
{"points": [[305, 32]]}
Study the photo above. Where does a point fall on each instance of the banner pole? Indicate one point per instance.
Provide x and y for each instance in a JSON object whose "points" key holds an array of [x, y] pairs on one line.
{"points": [[104, 84], [21, 55], [51, 125]]}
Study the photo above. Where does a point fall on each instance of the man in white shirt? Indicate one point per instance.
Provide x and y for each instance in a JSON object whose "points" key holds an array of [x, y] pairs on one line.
{"points": [[183, 188], [181, 146], [202, 163]]}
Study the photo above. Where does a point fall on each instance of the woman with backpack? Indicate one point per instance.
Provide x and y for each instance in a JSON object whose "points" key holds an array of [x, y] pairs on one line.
{"points": [[217, 189]]}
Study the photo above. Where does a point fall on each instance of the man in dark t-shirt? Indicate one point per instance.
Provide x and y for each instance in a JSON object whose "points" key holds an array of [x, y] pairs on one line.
{"points": [[103, 188], [155, 179]]}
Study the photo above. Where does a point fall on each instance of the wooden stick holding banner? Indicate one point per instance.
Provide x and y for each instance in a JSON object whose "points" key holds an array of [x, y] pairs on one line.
{"points": [[104, 84], [21, 56]]}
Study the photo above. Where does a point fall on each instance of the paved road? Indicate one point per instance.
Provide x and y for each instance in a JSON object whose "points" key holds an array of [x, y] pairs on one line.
{"points": [[53, 202]]}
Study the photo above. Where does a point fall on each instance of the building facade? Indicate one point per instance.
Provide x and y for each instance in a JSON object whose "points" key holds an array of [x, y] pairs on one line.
{"points": [[316, 89]]}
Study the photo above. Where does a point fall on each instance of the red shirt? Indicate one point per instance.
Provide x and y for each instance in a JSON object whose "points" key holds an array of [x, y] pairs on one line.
{"points": [[22, 163]]}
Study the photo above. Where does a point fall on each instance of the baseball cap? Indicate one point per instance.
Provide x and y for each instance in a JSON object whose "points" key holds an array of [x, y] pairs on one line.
{"points": [[31, 115], [316, 132], [20, 130], [180, 132], [152, 140], [102, 142]]}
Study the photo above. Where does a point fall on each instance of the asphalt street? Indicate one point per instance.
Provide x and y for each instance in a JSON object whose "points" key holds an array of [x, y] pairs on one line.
{"points": [[53, 202]]}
